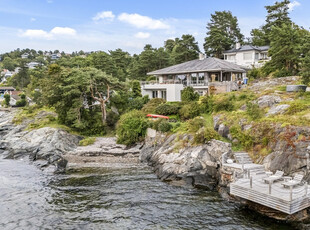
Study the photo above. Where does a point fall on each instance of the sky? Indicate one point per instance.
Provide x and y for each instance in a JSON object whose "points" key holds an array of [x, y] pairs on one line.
{"points": [[91, 25]]}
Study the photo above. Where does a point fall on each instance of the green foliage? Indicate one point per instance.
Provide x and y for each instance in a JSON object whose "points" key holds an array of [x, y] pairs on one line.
{"points": [[188, 94], [195, 124], [136, 89], [224, 104], [223, 33], [255, 73], [151, 106], [164, 126], [7, 99], [136, 103], [112, 118], [189, 111], [205, 135], [167, 109], [87, 141], [253, 111], [244, 138], [206, 104], [131, 127], [295, 107]]}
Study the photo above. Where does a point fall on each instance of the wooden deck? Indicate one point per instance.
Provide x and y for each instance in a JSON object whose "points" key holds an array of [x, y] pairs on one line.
{"points": [[280, 198]]}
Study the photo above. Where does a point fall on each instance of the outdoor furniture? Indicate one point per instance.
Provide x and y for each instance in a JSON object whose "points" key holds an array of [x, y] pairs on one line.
{"points": [[296, 181], [277, 176], [287, 178]]}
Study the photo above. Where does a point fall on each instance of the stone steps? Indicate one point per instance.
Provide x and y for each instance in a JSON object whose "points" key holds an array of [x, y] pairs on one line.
{"points": [[242, 157]]}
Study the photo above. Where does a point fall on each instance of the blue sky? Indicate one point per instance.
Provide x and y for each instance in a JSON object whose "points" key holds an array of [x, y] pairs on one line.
{"points": [[89, 25]]}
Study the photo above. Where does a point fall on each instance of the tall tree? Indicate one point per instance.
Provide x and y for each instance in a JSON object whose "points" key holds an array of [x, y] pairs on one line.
{"points": [[185, 49], [277, 14], [223, 33]]}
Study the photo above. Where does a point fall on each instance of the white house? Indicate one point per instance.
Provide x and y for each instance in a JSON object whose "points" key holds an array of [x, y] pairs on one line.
{"points": [[247, 56], [32, 65], [205, 75], [25, 55]]}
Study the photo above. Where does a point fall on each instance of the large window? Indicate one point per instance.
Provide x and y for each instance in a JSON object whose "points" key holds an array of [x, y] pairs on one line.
{"points": [[164, 94], [231, 57], [194, 78], [247, 56], [154, 94], [256, 56], [201, 78]]}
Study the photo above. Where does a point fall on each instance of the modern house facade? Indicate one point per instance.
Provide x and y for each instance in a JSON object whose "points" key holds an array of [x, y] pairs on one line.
{"points": [[247, 56], [205, 75]]}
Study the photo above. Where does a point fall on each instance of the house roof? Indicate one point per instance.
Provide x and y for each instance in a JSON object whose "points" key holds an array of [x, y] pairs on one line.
{"points": [[15, 92], [209, 64], [7, 88], [247, 48]]}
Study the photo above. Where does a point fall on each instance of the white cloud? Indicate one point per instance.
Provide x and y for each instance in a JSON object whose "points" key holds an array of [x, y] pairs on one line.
{"points": [[140, 21], [142, 35], [32, 19], [292, 5], [104, 15], [56, 31], [63, 31]]}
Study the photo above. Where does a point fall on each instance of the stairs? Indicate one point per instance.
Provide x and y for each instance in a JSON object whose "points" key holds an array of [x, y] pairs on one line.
{"points": [[239, 156]]}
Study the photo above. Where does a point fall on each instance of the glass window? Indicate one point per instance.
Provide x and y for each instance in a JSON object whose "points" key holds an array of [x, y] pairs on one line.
{"points": [[256, 56], [194, 78], [155, 94]]}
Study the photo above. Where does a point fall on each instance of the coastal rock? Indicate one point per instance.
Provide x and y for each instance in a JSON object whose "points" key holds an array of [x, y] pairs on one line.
{"points": [[173, 159], [277, 109], [223, 130], [268, 101]]}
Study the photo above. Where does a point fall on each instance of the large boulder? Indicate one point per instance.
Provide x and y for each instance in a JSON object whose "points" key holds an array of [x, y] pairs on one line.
{"points": [[174, 160], [268, 101], [277, 109]]}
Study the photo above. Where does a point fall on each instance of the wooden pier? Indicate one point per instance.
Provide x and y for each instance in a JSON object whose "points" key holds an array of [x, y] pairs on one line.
{"points": [[287, 200]]}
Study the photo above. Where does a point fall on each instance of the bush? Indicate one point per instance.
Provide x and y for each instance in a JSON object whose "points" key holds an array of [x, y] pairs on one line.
{"points": [[296, 107], [195, 124], [87, 141], [223, 105], [206, 134], [245, 140], [135, 103], [189, 111], [7, 99], [21, 103], [282, 73], [167, 109], [151, 106], [164, 126], [255, 73], [131, 127], [206, 104], [112, 118], [253, 111], [188, 95]]}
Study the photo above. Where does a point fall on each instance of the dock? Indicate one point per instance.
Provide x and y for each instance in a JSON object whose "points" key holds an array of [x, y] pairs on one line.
{"points": [[248, 184]]}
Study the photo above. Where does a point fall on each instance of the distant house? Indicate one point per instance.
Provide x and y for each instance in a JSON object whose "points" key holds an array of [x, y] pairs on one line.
{"points": [[32, 65], [25, 55], [248, 56], [55, 56], [205, 75], [6, 89]]}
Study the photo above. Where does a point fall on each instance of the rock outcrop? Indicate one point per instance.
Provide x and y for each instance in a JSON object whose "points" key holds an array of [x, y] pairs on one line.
{"points": [[175, 159]]}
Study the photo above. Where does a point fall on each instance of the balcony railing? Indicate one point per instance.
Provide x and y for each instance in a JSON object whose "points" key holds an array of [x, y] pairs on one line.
{"points": [[185, 83]]}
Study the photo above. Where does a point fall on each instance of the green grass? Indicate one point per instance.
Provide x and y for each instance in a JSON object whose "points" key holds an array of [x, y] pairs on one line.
{"points": [[87, 141]]}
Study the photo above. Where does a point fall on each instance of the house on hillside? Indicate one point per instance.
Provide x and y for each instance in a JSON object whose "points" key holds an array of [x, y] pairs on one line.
{"points": [[205, 75], [248, 56], [6, 89], [25, 55], [32, 65]]}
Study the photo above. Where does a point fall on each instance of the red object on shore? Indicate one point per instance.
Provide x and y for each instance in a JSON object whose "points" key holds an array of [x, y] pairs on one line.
{"points": [[157, 116]]}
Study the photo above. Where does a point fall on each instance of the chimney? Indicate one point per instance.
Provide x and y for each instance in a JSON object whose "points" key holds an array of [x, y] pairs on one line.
{"points": [[201, 56], [238, 45]]}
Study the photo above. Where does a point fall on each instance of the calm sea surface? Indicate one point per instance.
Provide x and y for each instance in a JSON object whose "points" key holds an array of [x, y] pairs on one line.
{"points": [[118, 197]]}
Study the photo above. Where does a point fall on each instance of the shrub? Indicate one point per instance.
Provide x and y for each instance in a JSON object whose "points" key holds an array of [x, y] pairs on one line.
{"points": [[188, 95], [205, 134], [152, 105], [21, 103], [245, 140], [131, 127], [282, 73], [296, 107], [136, 88], [195, 124], [255, 73], [167, 109], [189, 111], [112, 118], [223, 105], [164, 126], [206, 104], [87, 141], [7, 99], [135, 103], [253, 111]]}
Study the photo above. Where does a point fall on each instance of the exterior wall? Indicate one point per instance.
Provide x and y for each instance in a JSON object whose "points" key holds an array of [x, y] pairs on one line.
{"points": [[173, 91], [249, 63]]}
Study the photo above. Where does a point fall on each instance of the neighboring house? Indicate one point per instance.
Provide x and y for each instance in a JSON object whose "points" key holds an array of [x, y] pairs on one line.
{"points": [[6, 89], [32, 65], [205, 75], [247, 56], [25, 55], [55, 56]]}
